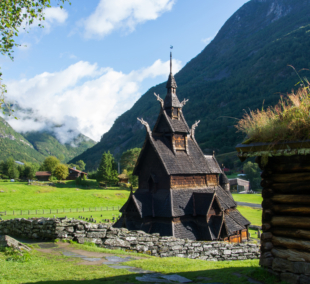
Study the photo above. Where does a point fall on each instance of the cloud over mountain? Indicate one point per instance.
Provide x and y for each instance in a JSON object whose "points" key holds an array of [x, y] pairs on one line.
{"points": [[83, 96]]}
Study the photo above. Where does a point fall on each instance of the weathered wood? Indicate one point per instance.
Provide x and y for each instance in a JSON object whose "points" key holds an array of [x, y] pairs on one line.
{"points": [[288, 177], [292, 187], [287, 168], [266, 246], [291, 254], [266, 227], [291, 243], [290, 198], [291, 221], [267, 192], [267, 215], [290, 209], [293, 233], [266, 183], [267, 203], [266, 236]]}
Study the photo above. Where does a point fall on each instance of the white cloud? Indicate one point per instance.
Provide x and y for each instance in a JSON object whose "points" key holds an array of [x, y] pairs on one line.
{"points": [[82, 97], [123, 14]]}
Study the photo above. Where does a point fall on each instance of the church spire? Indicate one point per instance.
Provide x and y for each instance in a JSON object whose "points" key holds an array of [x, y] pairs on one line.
{"points": [[171, 83], [171, 99]]}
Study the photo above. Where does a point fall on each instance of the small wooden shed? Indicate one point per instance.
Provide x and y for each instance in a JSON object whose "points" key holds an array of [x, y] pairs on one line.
{"points": [[74, 174], [238, 184], [123, 178], [43, 175]]}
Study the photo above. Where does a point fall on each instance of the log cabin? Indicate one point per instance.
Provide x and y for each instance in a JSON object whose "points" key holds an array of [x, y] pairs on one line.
{"points": [[181, 192], [74, 174]]}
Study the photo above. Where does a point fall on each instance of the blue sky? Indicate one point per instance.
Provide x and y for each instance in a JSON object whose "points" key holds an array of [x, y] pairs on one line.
{"points": [[94, 59]]}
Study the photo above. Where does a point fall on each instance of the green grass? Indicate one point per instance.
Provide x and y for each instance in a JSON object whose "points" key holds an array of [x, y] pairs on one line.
{"points": [[249, 198], [21, 196], [50, 268], [221, 271], [252, 214]]}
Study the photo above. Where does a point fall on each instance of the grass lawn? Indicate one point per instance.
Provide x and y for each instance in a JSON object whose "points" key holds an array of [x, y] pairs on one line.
{"points": [[249, 198], [21, 196], [252, 214], [48, 268]]}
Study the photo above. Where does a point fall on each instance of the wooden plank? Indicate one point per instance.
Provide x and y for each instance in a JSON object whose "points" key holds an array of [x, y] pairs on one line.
{"points": [[290, 209], [288, 177], [290, 198], [291, 222], [291, 254], [291, 243], [292, 233]]}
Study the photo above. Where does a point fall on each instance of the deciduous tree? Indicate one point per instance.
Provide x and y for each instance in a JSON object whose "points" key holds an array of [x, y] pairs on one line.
{"points": [[61, 171], [252, 172], [50, 163]]}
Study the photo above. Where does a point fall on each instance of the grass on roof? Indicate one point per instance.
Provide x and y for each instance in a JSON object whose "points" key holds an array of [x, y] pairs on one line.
{"points": [[289, 120]]}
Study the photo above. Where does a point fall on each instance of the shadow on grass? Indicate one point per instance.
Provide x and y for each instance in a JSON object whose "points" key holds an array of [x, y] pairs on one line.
{"points": [[235, 275]]}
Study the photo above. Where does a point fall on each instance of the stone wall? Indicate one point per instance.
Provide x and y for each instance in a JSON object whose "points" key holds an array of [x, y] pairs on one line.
{"points": [[104, 235]]}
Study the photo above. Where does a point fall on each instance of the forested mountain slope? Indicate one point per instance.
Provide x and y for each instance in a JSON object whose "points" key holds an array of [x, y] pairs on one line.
{"points": [[13, 144], [35, 146], [245, 65]]}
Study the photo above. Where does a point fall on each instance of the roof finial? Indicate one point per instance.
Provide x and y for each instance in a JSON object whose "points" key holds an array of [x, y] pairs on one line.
{"points": [[171, 47]]}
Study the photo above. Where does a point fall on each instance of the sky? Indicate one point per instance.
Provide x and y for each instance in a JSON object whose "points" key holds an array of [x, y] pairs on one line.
{"points": [[94, 59]]}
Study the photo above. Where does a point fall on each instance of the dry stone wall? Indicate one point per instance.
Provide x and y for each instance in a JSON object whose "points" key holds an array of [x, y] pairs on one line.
{"points": [[104, 235]]}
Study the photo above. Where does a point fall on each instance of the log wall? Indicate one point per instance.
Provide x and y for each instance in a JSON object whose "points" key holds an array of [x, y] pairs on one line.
{"points": [[285, 241]]}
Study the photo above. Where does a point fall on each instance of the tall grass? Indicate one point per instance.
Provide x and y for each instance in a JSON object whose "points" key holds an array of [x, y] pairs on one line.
{"points": [[287, 121]]}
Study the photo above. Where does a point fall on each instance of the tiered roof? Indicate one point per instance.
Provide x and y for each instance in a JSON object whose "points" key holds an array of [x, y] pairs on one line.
{"points": [[180, 212]]}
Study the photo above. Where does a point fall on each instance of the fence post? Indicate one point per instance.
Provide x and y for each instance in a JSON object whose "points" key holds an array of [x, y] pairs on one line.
{"points": [[101, 208], [43, 211], [28, 212], [57, 211], [107, 208], [70, 210], [21, 212], [13, 212], [50, 211], [77, 209], [83, 209], [113, 208], [36, 212], [95, 208], [89, 209]]}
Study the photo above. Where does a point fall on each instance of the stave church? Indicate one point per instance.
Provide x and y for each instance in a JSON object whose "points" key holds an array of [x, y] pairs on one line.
{"points": [[182, 192]]}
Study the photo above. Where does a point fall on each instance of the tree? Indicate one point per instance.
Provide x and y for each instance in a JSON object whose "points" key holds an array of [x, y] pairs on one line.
{"points": [[50, 163], [81, 165], [107, 169], [30, 170], [61, 171], [13, 15], [252, 172], [129, 158]]}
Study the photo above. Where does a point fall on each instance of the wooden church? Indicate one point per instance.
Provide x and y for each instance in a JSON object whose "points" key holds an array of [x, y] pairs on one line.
{"points": [[182, 192]]}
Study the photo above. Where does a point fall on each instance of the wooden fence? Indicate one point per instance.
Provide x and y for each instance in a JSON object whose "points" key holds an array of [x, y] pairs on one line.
{"points": [[57, 211]]}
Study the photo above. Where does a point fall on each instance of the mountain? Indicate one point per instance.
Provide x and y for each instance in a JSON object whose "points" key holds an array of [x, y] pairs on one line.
{"points": [[47, 144], [13, 144], [244, 67], [36, 145]]}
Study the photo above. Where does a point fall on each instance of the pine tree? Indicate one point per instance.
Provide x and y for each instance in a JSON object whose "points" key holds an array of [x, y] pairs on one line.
{"points": [[107, 169]]}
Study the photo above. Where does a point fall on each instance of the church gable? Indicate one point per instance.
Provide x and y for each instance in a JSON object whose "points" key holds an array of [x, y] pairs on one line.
{"points": [[152, 174]]}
